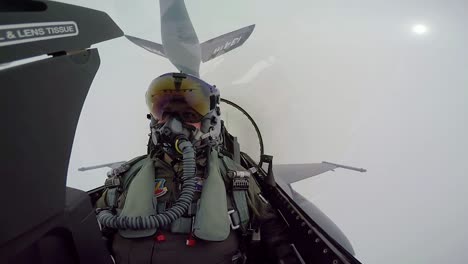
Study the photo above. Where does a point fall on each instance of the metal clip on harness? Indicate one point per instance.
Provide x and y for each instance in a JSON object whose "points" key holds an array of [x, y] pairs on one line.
{"points": [[240, 180]]}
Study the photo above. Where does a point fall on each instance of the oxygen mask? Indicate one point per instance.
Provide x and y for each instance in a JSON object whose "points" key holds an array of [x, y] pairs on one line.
{"points": [[172, 131]]}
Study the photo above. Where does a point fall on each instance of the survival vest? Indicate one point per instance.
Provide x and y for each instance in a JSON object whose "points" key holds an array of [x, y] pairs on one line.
{"points": [[228, 200]]}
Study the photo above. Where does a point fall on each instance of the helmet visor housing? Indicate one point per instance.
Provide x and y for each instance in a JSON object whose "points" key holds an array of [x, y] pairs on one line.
{"points": [[182, 95]]}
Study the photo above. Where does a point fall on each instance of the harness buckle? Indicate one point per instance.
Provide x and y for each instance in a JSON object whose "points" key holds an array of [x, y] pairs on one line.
{"points": [[240, 183], [232, 220], [112, 182], [256, 236], [253, 170], [240, 180], [239, 258], [119, 170]]}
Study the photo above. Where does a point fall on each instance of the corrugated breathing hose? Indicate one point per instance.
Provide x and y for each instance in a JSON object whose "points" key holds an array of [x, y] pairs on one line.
{"points": [[108, 219]]}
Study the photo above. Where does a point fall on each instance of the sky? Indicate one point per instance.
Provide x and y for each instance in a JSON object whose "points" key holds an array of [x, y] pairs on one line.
{"points": [[375, 84]]}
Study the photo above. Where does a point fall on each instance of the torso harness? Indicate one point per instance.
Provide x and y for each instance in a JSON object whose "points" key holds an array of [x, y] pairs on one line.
{"points": [[132, 198]]}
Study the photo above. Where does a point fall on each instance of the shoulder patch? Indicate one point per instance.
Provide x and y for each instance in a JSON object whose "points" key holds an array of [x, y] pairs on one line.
{"points": [[159, 188]]}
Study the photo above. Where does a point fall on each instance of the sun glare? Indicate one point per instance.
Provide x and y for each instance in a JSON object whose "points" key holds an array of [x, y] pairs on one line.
{"points": [[420, 29]]}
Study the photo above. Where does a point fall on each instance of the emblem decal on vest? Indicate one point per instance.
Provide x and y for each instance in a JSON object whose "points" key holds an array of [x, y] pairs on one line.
{"points": [[159, 189]]}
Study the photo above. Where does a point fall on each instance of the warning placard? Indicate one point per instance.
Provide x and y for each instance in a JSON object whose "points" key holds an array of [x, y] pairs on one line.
{"points": [[22, 33]]}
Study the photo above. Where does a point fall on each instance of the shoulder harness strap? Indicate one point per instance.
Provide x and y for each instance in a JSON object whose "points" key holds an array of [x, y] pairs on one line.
{"points": [[116, 183], [237, 179]]}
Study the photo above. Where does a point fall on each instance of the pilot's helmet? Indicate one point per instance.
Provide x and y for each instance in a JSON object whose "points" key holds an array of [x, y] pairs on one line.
{"points": [[183, 95]]}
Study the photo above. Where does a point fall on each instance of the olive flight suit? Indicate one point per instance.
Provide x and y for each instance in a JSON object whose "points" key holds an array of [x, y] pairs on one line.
{"points": [[176, 244]]}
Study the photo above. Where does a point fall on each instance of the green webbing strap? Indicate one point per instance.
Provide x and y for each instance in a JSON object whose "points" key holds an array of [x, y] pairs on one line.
{"points": [[112, 197], [239, 196], [115, 185], [242, 208]]}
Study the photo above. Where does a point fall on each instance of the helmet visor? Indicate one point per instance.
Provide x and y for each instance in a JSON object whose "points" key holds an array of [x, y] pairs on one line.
{"points": [[179, 94]]}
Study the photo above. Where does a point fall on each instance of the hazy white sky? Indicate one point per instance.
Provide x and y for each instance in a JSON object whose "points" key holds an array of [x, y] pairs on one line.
{"points": [[352, 82]]}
